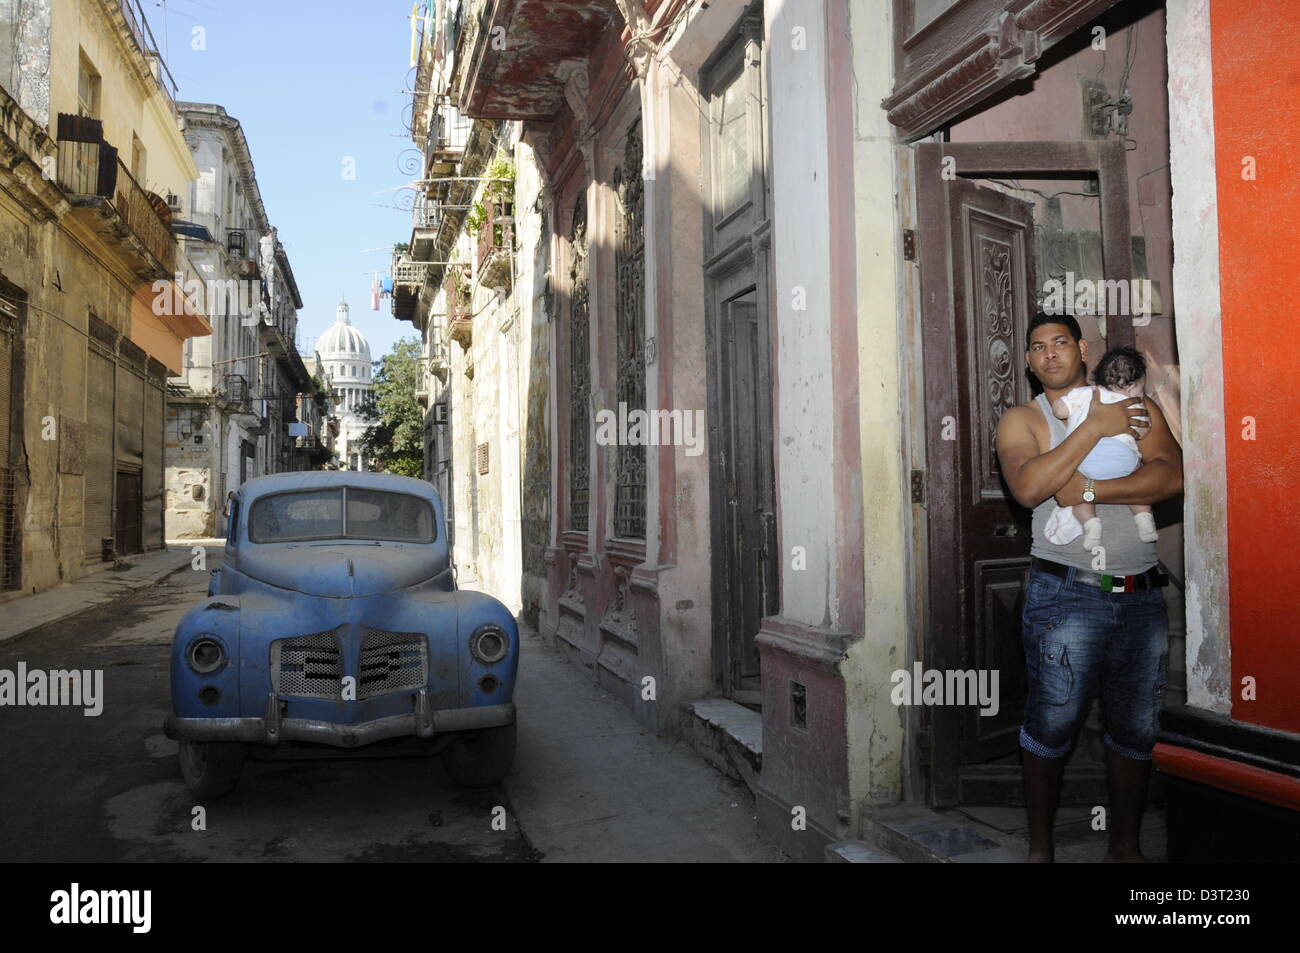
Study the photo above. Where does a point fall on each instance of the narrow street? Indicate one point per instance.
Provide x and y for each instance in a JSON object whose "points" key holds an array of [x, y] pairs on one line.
{"points": [[588, 784]]}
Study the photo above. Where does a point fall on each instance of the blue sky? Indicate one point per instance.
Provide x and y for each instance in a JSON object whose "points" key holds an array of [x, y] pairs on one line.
{"points": [[311, 83]]}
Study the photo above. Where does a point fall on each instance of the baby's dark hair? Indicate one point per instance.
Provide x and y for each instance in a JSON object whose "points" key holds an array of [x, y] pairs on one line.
{"points": [[1120, 367]]}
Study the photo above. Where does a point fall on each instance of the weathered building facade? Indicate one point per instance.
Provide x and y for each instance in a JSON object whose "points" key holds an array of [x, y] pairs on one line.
{"points": [[95, 171], [479, 302], [232, 406], [823, 229]]}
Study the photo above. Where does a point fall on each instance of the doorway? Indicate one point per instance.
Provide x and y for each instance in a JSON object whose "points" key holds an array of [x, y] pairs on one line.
{"points": [[977, 248], [129, 528], [737, 220]]}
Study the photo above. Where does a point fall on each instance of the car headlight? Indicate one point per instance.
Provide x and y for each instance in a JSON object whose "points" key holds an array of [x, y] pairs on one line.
{"points": [[489, 644], [205, 655]]}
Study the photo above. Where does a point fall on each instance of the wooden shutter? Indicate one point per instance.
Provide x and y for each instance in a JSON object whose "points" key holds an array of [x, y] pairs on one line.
{"points": [[99, 451], [130, 415], [8, 341], [153, 464]]}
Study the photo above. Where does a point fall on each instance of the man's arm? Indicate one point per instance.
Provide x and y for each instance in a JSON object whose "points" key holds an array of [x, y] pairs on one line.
{"points": [[1034, 476], [1159, 477]]}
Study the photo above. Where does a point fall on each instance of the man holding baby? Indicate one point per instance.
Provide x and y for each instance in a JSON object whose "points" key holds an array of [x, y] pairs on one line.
{"points": [[1094, 618]]}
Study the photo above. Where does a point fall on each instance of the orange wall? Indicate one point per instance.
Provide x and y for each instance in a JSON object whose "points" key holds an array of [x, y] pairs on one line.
{"points": [[1257, 113]]}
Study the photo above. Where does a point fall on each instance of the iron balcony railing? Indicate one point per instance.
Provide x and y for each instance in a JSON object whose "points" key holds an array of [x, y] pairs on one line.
{"points": [[427, 213], [90, 168], [407, 272], [495, 232], [133, 13]]}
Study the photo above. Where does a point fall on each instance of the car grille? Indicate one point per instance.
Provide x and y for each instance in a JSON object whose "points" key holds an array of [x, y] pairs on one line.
{"points": [[392, 662], [308, 666]]}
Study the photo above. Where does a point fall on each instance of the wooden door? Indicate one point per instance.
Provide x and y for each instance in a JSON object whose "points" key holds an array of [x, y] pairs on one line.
{"points": [[977, 275], [129, 523], [749, 507]]}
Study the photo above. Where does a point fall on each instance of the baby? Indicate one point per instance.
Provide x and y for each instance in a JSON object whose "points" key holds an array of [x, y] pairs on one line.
{"points": [[1120, 375]]}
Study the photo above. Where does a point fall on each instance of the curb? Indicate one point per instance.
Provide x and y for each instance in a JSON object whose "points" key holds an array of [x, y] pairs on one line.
{"points": [[91, 592]]}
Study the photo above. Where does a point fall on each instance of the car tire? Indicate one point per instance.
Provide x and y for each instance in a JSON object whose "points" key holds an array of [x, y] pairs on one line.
{"points": [[211, 769], [483, 759]]}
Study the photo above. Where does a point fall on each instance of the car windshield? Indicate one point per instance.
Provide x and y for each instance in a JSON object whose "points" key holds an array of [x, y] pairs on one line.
{"points": [[342, 513]]}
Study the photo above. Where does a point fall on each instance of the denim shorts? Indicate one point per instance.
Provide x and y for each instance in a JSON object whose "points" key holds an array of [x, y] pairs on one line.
{"points": [[1079, 642]]}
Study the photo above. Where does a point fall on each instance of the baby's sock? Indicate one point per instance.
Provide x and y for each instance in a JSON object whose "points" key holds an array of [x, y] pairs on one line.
{"points": [[1146, 523], [1092, 534]]}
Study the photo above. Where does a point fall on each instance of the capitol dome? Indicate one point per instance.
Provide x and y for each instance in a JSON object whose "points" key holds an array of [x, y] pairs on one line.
{"points": [[342, 341], [345, 360]]}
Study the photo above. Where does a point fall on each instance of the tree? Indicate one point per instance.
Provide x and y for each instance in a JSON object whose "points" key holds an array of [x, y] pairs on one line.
{"points": [[395, 441]]}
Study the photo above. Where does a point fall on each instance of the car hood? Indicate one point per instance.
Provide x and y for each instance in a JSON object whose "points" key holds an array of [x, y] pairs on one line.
{"points": [[340, 571]]}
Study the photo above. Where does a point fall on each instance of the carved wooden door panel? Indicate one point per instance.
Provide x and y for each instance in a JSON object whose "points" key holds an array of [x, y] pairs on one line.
{"points": [[993, 300], [977, 280]]}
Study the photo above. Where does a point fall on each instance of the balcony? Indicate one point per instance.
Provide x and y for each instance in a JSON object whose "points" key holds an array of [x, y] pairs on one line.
{"points": [[495, 244], [448, 138], [130, 220], [438, 357], [514, 73], [460, 317], [427, 217], [235, 391], [138, 27], [408, 279]]}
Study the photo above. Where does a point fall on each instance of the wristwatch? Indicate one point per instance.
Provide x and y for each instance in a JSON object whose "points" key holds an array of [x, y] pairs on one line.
{"points": [[1088, 493]]}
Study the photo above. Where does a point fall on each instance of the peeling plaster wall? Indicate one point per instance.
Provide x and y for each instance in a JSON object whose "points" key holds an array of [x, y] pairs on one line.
{"points": [[875, 726], [533, 374], [1200, 348], [25, 54], [801, 279]]}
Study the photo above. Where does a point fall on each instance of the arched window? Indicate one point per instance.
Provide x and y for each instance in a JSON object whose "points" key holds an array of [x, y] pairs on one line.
{"points": [[579, 368]]}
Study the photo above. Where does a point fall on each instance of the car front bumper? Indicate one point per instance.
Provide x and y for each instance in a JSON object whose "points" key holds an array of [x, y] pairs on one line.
{"points": [[272, 729]]}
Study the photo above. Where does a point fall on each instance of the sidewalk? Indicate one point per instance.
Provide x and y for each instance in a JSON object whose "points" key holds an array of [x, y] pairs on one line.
{"points": [[590, 784], [25, 614]]}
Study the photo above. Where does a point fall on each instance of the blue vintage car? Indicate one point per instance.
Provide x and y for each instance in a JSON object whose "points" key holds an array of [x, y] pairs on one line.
{"points": [[335, 620]]}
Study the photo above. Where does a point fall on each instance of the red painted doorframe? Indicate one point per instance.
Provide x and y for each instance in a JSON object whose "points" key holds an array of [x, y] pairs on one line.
{"points": [[1257, 117]]}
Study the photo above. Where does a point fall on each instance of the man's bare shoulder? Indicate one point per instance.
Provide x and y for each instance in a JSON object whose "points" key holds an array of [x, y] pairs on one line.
{"points": [[1023, 418], [1022, 415]]}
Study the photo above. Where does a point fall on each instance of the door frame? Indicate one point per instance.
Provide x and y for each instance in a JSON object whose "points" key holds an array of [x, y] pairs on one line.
{"points": [[943, 631], [737, 249]]}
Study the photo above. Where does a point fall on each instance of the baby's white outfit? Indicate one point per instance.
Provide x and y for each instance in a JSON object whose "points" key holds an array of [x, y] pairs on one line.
{"points": [[1110, 459]]}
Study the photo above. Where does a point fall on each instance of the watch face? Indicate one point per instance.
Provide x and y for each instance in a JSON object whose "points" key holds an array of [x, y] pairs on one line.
{"points": [[1089, 496]]}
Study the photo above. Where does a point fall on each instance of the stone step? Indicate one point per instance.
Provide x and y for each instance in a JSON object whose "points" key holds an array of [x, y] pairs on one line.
{"points": [[925, 836], [728, 736], [858, 852]]}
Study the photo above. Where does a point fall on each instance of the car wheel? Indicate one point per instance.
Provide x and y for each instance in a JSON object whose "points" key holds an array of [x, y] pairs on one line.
{"points": [[211, 769], [482, 759]]}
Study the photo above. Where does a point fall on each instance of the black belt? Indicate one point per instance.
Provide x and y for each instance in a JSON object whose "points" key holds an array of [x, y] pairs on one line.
{"points": [[1153, 578]]}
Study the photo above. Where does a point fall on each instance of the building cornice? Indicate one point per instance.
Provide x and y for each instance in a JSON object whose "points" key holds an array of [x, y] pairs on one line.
{"points": [[214, 117]]}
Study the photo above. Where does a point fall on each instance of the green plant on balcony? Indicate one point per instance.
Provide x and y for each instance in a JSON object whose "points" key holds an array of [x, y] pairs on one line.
{"points": [[500, 190], [400, 247]]}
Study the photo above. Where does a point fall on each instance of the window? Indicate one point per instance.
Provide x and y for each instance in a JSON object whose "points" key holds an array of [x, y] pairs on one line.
{"points": [[732, 147], [579, 368], [629, 271], [88, 85], [138, 157]]}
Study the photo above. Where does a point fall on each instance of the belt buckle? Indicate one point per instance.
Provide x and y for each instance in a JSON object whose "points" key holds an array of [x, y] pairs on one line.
{"points": [[1111, 583]]}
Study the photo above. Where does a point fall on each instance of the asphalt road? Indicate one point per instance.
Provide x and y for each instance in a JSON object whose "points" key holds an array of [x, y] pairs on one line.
{"points": [[108, 787]]}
